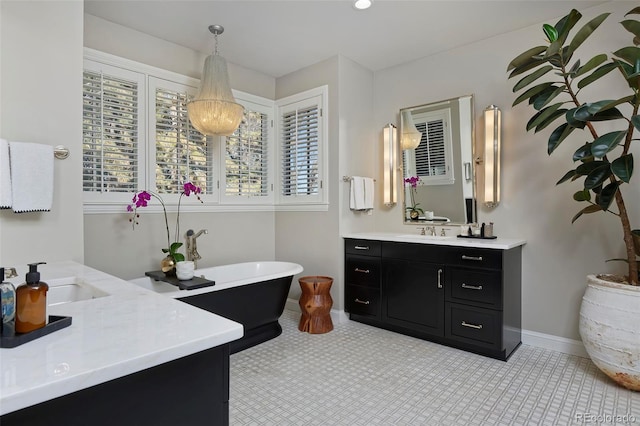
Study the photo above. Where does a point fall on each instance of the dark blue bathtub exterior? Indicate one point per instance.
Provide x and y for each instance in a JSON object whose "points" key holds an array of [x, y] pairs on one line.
{"points": [[256, 306]]}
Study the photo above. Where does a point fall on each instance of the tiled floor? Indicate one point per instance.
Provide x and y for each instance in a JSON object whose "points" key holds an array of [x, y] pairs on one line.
{"points": [[361, 375]]}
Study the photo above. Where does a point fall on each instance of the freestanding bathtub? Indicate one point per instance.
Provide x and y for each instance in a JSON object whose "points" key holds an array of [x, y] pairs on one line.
{"points": [[252, 293]]}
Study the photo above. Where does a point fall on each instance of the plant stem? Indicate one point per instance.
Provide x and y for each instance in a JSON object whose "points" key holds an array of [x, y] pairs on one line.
{"points": [[166, 222]]}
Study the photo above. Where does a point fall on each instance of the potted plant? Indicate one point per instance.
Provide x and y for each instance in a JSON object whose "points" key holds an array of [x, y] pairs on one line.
{"points": [[413, 210], [551, 79]]}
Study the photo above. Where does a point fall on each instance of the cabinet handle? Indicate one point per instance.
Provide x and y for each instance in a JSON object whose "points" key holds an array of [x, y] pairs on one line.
{"points": [[466, 324], [361, 247], [472, 287], [364, 302], [439, 278], [478, 258], [364, 271]]}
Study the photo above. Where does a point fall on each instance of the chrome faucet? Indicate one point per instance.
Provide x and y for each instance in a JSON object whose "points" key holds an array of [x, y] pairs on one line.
{"points": [[192, 247]]}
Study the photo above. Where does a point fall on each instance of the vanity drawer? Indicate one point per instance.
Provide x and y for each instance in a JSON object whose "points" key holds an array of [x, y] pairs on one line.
{"points": [[473, 257], [363, 271], [476, 326], [362, 247], [475, 286], [363, 300]]}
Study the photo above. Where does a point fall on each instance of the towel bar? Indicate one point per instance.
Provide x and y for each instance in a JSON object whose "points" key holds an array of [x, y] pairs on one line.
{"points": [[348, 179]]}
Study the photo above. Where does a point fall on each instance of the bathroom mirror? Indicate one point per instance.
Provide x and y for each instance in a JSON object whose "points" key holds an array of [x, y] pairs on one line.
{"points": [[442, 162]]}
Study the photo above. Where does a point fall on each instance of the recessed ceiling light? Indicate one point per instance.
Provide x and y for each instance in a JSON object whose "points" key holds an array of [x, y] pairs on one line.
{"points": [[362, 4]]}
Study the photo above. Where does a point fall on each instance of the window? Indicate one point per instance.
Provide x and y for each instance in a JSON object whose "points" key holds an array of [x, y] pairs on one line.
{"points": [[248, 155], [302, 148], [433, 157]]}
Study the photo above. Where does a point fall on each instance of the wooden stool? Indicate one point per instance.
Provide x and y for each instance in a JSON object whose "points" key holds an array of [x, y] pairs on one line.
{"points": [[315, 303]]}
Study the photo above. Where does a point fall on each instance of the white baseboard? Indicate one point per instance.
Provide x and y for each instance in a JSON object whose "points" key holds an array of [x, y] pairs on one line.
{"points": [[554, 343], [531, 338]]}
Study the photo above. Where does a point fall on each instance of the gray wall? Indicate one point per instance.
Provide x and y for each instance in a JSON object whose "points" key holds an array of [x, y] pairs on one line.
{"points": [[558, 254], [41, 80]]}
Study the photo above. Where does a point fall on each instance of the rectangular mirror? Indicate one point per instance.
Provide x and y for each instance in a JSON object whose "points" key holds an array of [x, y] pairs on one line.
{"points": [[439, 174]]}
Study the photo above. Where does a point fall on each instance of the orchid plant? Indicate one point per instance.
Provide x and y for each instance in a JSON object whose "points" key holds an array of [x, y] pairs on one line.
{"points": [[142, 198], [414, 210]]}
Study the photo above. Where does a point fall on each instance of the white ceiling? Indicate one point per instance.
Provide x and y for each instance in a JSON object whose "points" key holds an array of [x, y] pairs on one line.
{"points": [[279, 37]]}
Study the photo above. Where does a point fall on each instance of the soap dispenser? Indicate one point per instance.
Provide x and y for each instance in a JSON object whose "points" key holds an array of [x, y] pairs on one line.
{"points": [[8, 303], [31, 307]]}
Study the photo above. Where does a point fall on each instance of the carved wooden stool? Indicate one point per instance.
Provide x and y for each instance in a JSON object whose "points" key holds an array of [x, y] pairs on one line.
{"points": [[315, 303]]}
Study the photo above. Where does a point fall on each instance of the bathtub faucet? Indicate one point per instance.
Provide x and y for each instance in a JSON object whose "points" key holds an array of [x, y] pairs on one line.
{"points": [[192, 247]]}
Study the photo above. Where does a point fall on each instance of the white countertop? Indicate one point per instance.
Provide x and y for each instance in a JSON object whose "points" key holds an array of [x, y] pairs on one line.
{"points": [[130, 330], [497, 244]]}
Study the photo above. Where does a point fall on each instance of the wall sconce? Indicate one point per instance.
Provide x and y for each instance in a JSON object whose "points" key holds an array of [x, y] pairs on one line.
{"points": [[214, 110], [390, 166], [411, 137], [492, 124]]}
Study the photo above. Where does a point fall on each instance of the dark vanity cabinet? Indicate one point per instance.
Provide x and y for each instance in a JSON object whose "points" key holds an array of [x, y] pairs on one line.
{"points": [[466, 297]]}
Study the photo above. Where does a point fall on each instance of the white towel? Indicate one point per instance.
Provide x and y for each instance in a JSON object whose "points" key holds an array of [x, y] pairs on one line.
{"points": [[31, 176], [5, 176], [361, 196]]}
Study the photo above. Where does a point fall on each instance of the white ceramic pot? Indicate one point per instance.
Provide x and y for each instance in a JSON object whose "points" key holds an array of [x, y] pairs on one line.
{"points": [[609, 326]]}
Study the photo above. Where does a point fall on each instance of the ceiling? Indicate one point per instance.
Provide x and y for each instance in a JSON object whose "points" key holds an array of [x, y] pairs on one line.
{"points": [[279, 37]]}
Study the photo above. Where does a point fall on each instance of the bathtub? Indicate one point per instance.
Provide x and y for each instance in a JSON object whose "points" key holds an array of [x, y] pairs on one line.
{"points": [[252, 293]]}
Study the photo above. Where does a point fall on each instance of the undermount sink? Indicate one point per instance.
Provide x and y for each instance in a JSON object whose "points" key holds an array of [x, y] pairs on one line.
{"points": [[426, 237], [71, 289]]}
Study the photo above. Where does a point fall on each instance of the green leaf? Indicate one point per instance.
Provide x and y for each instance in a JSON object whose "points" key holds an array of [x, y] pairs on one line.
{"points": [[575, 68], [542, 115], [607, 195], [583, 153], [558, 136], [632, 26], [165, 250], [634, 11], [178, 257], [593, 62], [630, 54], [547, 96], [585, 168], [583, 195], [534, 62], [586, 31], [606, 143], [571, 174], [525, 57], [531, 92], [174, 246], [589, 209], [597, 176], [600, 106], [532, 77], [577, 117], [622, 167], [635, 120], [565, 25], [598, 73], [550, 32], [543, 124]]}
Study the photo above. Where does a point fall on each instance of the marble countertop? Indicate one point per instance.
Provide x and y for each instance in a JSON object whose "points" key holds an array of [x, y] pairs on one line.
{"points": [[452, 240], [129, 330]]}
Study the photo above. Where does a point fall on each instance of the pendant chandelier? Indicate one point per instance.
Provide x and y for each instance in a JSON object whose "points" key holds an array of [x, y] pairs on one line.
{"points": [[214, 110], [411, 137]]}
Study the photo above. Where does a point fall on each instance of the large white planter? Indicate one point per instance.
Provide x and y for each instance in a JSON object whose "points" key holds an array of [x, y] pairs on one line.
{"points": [[610, 329]]}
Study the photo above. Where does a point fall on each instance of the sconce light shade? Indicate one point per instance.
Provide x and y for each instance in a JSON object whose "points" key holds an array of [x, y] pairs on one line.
{"points": [[390, 166], [492, 126], [411, 137], [214, 110]]}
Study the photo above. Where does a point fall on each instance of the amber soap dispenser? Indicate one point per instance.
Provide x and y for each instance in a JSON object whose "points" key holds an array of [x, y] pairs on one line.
{"points": [[31, 298]]}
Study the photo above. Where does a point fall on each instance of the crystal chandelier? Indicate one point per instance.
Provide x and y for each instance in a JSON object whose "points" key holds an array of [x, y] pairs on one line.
{"points": [[214, 110]]}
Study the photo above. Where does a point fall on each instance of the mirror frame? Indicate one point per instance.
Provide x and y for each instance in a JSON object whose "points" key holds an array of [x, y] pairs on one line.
{"points": [[470, 160]]}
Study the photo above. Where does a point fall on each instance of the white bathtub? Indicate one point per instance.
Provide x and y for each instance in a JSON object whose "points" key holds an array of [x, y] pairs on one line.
{"points": [[252, 293]]}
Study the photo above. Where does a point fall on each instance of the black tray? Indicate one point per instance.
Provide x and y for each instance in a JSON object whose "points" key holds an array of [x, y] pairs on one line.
{"points": [[192, 284], [478, 237], [55, 323]]}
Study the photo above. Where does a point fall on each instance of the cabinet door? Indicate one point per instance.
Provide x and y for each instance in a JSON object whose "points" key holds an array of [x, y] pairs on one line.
{"points": [[413, 295]]}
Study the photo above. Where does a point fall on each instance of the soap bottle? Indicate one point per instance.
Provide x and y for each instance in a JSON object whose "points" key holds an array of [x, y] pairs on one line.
{"points": [[31, 307], [8, 302]]}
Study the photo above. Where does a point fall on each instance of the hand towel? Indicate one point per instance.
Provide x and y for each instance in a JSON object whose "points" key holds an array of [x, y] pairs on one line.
{"points": [[361, 196], [5, 176], [31, 176]]}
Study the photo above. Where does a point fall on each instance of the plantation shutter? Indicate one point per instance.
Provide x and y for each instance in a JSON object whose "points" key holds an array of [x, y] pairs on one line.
{"points": [[182, 154], [247, 157], [300, 152], [433, 157], [110, 130]]}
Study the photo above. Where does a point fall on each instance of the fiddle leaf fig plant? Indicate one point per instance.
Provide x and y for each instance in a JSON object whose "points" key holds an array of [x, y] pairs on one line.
{"points": [[551, 80]]}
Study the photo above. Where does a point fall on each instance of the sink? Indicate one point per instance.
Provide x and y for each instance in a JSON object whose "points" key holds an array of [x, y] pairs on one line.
{"points": [[426, 237], [71, 289]]}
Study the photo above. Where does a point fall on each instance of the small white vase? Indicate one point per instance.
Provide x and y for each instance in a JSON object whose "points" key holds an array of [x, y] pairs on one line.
{"points": [[609, 318]]}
